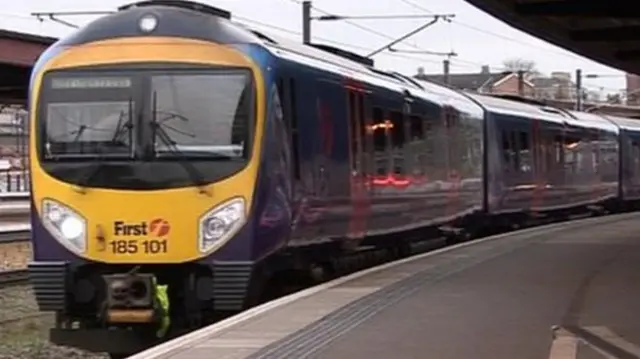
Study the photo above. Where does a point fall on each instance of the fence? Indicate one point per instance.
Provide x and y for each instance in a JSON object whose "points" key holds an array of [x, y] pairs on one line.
{"points": [[14, 150]]}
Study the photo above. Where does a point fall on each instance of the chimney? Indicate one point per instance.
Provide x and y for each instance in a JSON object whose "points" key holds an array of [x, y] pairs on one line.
{"points": [[420, 71], [485, 69]]}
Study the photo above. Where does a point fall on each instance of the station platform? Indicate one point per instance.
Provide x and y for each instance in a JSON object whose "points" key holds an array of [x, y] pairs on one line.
{"points": [[564, 291]]}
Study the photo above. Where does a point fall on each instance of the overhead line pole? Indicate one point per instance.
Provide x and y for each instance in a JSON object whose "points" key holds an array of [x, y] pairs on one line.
{"points": [[385, 47], [306, 22]]}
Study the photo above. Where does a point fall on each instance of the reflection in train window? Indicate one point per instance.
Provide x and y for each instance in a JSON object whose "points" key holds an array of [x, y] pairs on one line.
{"points": [[418, 149], [635, 159], [397, 142], [431, 148], [517, 151], [524, 154], [380, 142], [508, 151]]}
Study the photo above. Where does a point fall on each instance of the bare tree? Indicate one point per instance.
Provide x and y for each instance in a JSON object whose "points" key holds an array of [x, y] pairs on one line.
{"points": [[518, 64]]}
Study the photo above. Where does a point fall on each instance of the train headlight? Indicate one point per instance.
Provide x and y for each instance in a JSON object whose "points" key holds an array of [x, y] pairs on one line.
{"points": [[66, 225], [148, 23], [220, 223]]}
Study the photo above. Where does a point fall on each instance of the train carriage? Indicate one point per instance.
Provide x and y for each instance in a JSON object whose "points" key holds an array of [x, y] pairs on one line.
{"points": [[546, 160], [174, 147], [591, 172]]}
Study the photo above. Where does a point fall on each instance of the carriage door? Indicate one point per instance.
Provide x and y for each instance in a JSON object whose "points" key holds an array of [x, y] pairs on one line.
{"points": [[360, 143]]}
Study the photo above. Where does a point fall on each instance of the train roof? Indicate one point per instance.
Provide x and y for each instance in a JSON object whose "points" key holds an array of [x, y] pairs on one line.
{"points": [[592, 120], [341, 62], [321, 57], [201, 21], [624, 122], [515, 108]]}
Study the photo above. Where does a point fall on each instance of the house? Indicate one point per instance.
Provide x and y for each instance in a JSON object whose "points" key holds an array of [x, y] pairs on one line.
{"points": [[558, 86], [484, 81], [633, 89]]}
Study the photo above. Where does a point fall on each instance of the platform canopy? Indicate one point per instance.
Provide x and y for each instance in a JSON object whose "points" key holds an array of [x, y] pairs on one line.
{"points": [[604, 31], [18, 53]]}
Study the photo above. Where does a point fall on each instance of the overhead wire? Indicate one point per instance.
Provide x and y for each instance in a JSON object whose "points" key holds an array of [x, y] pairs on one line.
{"points": [[487, 32], [458, 61], [362, 27], [462, 63], [334, 42]]}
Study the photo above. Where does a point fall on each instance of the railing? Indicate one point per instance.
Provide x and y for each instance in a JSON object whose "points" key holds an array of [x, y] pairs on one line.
{"points": [[15, 229], [14, 181]]}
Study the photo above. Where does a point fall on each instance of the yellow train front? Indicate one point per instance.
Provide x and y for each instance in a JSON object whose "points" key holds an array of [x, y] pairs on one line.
{"points": [[145, 154]]}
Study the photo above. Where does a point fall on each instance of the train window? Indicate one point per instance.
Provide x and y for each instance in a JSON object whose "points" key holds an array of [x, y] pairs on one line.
{"points": [[524, 153], [544, 139], [595, 150], [416, 143], [635, 158], [287, 92], [379, 129], [456, 147], [397, 142], [397, 130], [218, 121], [353, 130], [365, 138], [508, 150], [416, 132], [430, 148], [559, 153], [571, 149]]}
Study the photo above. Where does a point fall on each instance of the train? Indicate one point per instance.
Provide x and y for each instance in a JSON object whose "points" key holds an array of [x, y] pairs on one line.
{"points": [[285, 158]]}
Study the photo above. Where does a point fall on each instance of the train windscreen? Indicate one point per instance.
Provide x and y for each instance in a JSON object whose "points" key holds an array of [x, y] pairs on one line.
{"points": [[146, 120], [205, 115]]}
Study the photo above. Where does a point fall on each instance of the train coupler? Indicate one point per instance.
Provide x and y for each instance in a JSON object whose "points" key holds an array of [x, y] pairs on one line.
{"points": [[136, 299]]}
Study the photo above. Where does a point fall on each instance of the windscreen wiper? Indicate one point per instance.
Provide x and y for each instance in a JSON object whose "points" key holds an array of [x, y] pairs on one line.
{"points": [[171, 115], [121, 128], [156, 128]]}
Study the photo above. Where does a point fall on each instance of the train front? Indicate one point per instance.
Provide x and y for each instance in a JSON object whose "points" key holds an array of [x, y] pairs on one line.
{"points": [[144, 152]]}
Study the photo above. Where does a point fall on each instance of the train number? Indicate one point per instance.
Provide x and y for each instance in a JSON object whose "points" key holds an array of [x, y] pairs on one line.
{"points": [[152, 246]]}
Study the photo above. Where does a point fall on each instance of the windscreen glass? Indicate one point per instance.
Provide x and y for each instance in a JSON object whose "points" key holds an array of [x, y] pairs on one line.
{"points": [[88, 116], [137, 127], [199, 118]]}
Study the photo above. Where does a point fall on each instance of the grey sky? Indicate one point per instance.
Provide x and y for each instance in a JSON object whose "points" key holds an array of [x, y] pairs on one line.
{"points": [[477, 37]]}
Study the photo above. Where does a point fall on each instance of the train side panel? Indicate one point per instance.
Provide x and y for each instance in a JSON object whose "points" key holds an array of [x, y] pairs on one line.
{"points": [[520, 169], [629, 157], [371, 162], [548, 159], [591, 159], [453, 154], [630, 141]]}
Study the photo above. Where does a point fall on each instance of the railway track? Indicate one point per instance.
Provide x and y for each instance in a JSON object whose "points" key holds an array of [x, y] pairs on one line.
{"points": [[21, 233], [14, 250], [13, 277]]}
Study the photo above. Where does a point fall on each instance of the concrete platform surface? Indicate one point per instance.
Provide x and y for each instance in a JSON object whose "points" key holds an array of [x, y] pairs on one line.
{"points": [[564, 291]]}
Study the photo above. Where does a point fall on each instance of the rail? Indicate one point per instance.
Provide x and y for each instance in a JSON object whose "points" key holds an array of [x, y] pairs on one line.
{"points": [[18, 232], [14, 213], [13, 277], [14, 196]]}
